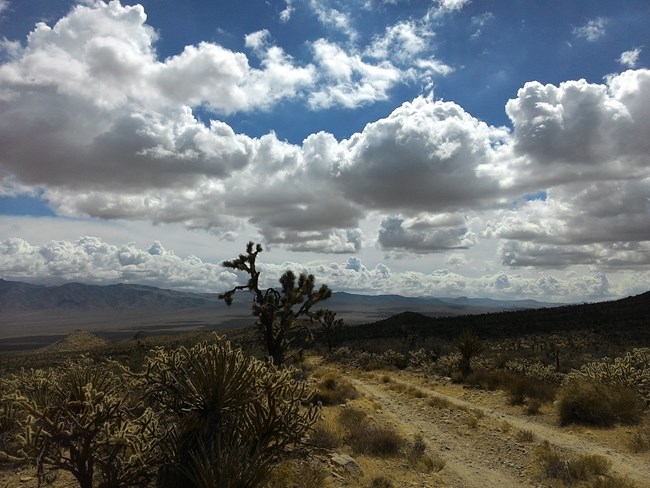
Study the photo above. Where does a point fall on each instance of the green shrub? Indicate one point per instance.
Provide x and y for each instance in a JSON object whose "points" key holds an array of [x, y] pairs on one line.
{"points": [[594, 403]]}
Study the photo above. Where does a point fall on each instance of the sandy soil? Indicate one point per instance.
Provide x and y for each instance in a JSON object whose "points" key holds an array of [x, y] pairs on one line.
{"points": [[478, 436]]}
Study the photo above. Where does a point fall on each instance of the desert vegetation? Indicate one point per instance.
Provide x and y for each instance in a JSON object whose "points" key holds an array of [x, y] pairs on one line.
{"points": [[349, 409]]}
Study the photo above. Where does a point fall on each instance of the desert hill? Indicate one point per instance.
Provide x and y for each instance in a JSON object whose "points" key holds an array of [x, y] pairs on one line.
{"points": [[631, 314]]}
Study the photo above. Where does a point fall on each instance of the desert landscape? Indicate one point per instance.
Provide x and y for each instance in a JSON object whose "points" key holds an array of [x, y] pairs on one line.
{"points": [[397, 405]]}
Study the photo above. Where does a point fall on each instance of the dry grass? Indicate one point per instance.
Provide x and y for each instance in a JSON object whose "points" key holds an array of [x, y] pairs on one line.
{"points": [[525, 435], [326, 434], [299, 474], [333, 389], [375, 440], [572, 470], [640, 440]]}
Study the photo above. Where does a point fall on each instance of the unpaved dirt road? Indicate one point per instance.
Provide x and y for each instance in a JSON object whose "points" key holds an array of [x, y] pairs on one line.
{"points": [[481, 443]]}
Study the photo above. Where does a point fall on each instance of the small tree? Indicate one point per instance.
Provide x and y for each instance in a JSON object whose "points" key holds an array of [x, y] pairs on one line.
{"points": [[469, 346], [281, 315], [330, 326]]}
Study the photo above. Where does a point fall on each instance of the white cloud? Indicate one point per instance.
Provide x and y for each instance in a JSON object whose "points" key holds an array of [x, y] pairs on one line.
{"points": [[92, 260], [4, 4], [592, 30], [287, 12], [333, 18], [577, 131], [423, 156], [96, 261], [630, 58], [451, 5], [352, 82]]}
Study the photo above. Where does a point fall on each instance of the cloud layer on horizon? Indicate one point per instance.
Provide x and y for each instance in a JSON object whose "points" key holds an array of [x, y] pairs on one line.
{"points": [[93, 260]]}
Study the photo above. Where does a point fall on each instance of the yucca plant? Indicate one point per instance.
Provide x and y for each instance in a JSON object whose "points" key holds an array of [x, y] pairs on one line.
{"points": [[233, 415], [469, 346]]}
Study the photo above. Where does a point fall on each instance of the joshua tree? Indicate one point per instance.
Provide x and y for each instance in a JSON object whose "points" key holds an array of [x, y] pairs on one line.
{"points": [[331, 327], [469, 346], [282, 314]]}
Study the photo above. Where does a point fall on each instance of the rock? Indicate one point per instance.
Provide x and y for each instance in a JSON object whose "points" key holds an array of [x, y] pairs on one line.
{"points": [[347, 463]]}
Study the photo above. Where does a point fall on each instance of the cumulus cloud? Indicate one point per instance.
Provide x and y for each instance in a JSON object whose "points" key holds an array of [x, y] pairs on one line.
{"points": [[90, 259], [352, 81], [630, 58], [425, 234], [592, 30], [577, 131], [93, 260], [422, 156], [603, 223]]}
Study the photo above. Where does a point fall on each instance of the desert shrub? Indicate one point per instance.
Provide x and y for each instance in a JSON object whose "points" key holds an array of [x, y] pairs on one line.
{"points": [[233, 416], [381, 482], [640, 440], [631, 370], [298, 474], [571, 470], [417, 457], [438, 402], [334, 390], [375, 440], [81, 418], [341, 355], [393, 359], [534, 369], [525, 435], [532, 406], [487, 380], [594, 403], [612, 481], [520, 387], [351, 416], [326, 434]]}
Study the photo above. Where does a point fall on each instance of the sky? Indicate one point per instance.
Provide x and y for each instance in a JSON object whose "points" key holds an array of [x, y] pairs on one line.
{"points": [[426, 148]]}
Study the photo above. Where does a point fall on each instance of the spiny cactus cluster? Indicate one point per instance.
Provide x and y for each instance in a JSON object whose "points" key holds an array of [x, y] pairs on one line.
{"points": [[233, 414], [197, 417], [535, 369], [631, 370], [79, 417]]}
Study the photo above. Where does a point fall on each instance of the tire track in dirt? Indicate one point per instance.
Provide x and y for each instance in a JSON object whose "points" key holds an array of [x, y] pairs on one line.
{"points": [[484, 458], [468, 464]]}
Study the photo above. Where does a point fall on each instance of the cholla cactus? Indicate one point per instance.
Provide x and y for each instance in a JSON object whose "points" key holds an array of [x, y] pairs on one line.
{"points": [[631, 370], [79, 417], [233, 415]]}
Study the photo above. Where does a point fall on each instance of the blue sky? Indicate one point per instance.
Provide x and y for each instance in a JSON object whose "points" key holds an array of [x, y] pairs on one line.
{"points": [[447, 147]]}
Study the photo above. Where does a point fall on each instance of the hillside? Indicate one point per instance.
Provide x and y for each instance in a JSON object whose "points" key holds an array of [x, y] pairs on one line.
{"points": [[614, 317]]}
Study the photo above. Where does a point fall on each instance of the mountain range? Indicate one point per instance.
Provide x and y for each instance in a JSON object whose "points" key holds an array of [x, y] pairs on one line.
{"points": [[40, 314]]}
